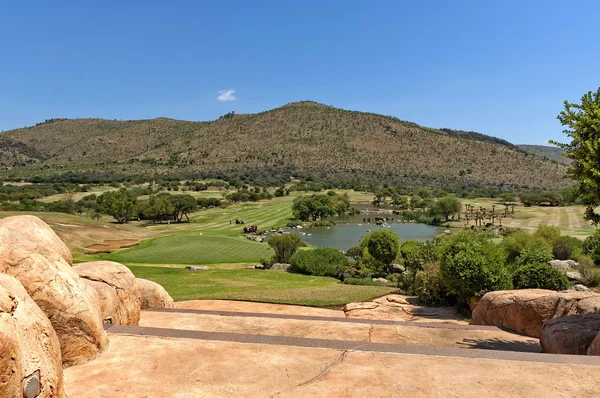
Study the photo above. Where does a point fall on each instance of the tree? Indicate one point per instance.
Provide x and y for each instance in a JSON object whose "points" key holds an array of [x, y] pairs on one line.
{"points": [[472, 264], [119, 204], [313, 207], [183, 205], [447, 206], [583, 126], [383, 246], [285, 246]]}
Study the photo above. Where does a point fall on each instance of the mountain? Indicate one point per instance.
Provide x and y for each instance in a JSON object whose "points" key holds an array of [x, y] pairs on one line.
{"points": [[549, 152], [306, 139]]}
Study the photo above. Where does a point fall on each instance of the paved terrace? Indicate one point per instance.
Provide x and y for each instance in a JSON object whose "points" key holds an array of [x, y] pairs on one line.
{"points": [[220, 348]]}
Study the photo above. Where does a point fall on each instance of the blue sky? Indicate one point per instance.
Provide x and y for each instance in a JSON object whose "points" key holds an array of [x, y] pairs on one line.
{"points": [[499, 68]]}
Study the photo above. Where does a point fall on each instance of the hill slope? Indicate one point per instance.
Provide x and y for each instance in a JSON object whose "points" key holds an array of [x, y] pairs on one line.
{"points": [[543, 151], [302, 138]]}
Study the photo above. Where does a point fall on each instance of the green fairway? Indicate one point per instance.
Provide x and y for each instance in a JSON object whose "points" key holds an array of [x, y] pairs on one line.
{"points": [[257, 285], [194, 249]]}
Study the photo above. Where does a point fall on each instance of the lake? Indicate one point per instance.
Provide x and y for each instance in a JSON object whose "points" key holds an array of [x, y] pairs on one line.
{"points": [[345, 236]]}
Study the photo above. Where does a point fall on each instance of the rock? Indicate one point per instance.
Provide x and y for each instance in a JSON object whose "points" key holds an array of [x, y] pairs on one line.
{"points": [[250, 266], [195, 268], [575, 276], [579, 288], [360, 306], [31, 228], [259, 266], [473, 301], [28, 344], [525, 311], [564, 265], [279, 267], [71, 305], [154, 295], [571, 335], [594, 348], [117, 288], [380, 280]]}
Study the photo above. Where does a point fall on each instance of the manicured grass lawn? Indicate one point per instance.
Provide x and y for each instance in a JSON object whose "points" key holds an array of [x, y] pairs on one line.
{"points": [[194, 249], [256, 285]]}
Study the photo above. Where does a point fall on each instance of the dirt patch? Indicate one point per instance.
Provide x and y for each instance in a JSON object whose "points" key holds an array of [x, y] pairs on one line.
{"points": [[114, 244]]}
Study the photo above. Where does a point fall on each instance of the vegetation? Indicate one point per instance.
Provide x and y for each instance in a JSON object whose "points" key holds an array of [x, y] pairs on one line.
{"points": [[582, 122], [306, 140], [320, 207], [472, 265], [383, 246], [284, 246], [539, 276], [429, 286], [322, 261]]}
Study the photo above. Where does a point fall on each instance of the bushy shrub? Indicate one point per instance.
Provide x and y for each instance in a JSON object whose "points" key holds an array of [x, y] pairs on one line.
{"points": [[515, 243], [285, 246], [416, 254], [429, 287], [591, 246], [539, 276], [548, 233], [323, 261], [472, 265], [535, 252], [383, 246], [587, 268], [566, 247], [355, 253]]}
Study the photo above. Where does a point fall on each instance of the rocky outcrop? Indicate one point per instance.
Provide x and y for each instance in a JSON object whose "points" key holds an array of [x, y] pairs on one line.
{"points": [[118, 290], [154, 295], [594, 348], [571, 335], [279, 267], [401, 308], [70, 304], [525, 311], [196, 268], [31, 228], [563, 265], [28, 344]]}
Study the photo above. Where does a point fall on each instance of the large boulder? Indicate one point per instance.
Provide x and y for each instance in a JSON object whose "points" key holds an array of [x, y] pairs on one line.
{"points": [[31, 228], [570, 334], [117, 288], [594, 348], [29, 347], [564, 265], [71, 305], [154, 295], [525, 311]]}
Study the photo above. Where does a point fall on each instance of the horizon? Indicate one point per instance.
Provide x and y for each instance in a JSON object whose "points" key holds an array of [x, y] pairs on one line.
{"points": [[501, 70]]}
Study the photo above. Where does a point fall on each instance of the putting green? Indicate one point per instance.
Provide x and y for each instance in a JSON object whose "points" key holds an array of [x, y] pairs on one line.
{"points": [[194, 249]]}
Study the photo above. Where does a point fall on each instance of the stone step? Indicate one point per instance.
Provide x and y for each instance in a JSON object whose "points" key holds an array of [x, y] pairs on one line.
{"points": [[458, 336]]}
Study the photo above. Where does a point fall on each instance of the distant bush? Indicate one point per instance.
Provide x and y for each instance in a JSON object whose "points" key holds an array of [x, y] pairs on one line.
{"points": [[429, 287], [383, 246], [361, 282], [515, 243], [472, 265], [566, 247], [535, 252], [416, 254], [285, 246], [539, 276], [323, 261], [549, 233]]}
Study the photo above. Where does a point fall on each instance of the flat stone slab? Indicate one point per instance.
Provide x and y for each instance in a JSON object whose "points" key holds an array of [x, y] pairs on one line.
{"points": [[138, 366], [247, 306]]}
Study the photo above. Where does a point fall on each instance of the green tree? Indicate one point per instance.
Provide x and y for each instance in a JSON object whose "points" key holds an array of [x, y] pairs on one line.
{"points": [[119, 204], [285, 246], [472, 264], [183, 205], [383, 246], [446, 206], [582, 123], [313, 207]]}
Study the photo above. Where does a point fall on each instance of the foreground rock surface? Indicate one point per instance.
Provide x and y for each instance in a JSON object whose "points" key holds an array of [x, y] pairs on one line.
{"points": [[571, 335], [154, 295], [594, 348], [525, 311], [118, 290], [28, 343], [71, 305], [31, 228], [399, 307]]}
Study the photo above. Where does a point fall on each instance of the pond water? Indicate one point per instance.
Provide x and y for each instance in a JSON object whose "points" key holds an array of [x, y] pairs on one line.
{"points": [[345, 236]]}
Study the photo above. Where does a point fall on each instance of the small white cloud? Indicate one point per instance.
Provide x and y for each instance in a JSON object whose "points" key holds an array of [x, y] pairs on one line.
{"points": [[227, 95]]}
